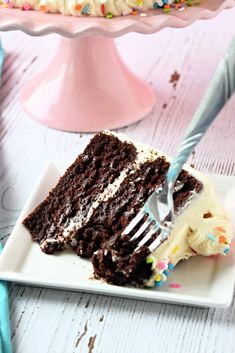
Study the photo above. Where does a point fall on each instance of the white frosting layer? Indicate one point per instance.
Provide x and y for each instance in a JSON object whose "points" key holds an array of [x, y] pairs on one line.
{"points": [[92, 7]]}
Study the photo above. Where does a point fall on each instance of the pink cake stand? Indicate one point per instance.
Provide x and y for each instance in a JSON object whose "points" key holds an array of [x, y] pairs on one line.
{"points": [[87, 87]]}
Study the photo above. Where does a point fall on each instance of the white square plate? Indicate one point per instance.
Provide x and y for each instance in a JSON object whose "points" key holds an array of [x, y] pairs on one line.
{"points": [[203, 281]]}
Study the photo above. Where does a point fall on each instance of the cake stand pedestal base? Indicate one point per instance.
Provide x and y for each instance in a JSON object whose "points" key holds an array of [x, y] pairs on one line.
{"points": [[87, 88]]}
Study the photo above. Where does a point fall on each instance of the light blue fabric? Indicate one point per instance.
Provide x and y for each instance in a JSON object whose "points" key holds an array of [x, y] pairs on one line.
{"points": [[5, 330]]}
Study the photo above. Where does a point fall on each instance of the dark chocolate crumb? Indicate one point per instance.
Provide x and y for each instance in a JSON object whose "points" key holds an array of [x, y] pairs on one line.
{"points": [[207, 215], [174, 78]]}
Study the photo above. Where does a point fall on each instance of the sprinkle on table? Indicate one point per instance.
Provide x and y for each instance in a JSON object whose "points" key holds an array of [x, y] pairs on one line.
{"points": [[175, 285]]}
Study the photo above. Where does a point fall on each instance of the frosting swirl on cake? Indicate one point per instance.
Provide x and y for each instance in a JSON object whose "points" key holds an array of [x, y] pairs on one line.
{"points": [[203, 228]]}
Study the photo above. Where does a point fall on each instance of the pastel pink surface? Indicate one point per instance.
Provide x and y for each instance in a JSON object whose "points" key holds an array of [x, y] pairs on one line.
{"points": [[87, 88]]}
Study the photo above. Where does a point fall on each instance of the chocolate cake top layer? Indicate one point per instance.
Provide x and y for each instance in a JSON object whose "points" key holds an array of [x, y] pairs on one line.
{"points": [[97, 197]]}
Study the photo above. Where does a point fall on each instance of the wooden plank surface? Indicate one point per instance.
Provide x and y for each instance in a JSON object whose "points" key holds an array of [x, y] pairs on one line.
{"points": [[45, 320]]}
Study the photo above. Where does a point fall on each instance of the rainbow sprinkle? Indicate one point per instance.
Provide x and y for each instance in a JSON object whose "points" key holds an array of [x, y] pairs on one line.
{"points": [[211, 236], [222, 239], [175, 285], [220, 229], [149, 260], [162, 265], [102, 8], [176, 248], [26, 7], [86, 10], [158, 278], [166, 273], [109, 15], [158, 284], [77, 7]]}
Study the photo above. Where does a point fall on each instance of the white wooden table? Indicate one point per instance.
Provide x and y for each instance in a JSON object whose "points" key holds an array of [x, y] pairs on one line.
{"points": [[45, 320]]}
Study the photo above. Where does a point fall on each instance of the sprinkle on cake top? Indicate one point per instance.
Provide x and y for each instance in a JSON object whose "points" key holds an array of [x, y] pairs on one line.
{"points": [[103, 8]]}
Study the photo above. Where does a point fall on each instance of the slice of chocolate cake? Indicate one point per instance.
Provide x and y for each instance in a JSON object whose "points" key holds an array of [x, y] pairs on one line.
{"points": [[104, 189]]}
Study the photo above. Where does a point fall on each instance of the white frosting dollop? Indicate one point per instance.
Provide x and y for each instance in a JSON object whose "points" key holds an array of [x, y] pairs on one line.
{"points": [[202, 228], [213, 239]]}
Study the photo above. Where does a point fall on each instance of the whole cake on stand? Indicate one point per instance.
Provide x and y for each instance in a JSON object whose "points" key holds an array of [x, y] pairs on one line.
{"points": [[87, 87]]}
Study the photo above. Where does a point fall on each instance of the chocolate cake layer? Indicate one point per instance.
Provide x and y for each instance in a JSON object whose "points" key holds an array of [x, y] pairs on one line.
{"points": [[115, 260], [99, 165]]}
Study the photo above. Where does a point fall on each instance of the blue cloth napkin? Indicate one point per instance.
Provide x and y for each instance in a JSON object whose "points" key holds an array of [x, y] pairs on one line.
{"points": [[5, 331]]}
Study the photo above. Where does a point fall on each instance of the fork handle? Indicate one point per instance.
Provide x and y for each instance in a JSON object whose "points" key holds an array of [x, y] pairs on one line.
{"points": [[218, 93]]}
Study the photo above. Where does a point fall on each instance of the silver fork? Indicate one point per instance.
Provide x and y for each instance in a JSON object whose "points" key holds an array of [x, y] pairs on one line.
{"points": [[159, 208]]}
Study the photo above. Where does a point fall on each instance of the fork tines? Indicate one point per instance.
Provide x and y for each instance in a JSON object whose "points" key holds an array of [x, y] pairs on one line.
{"points": [[146, 231]]}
